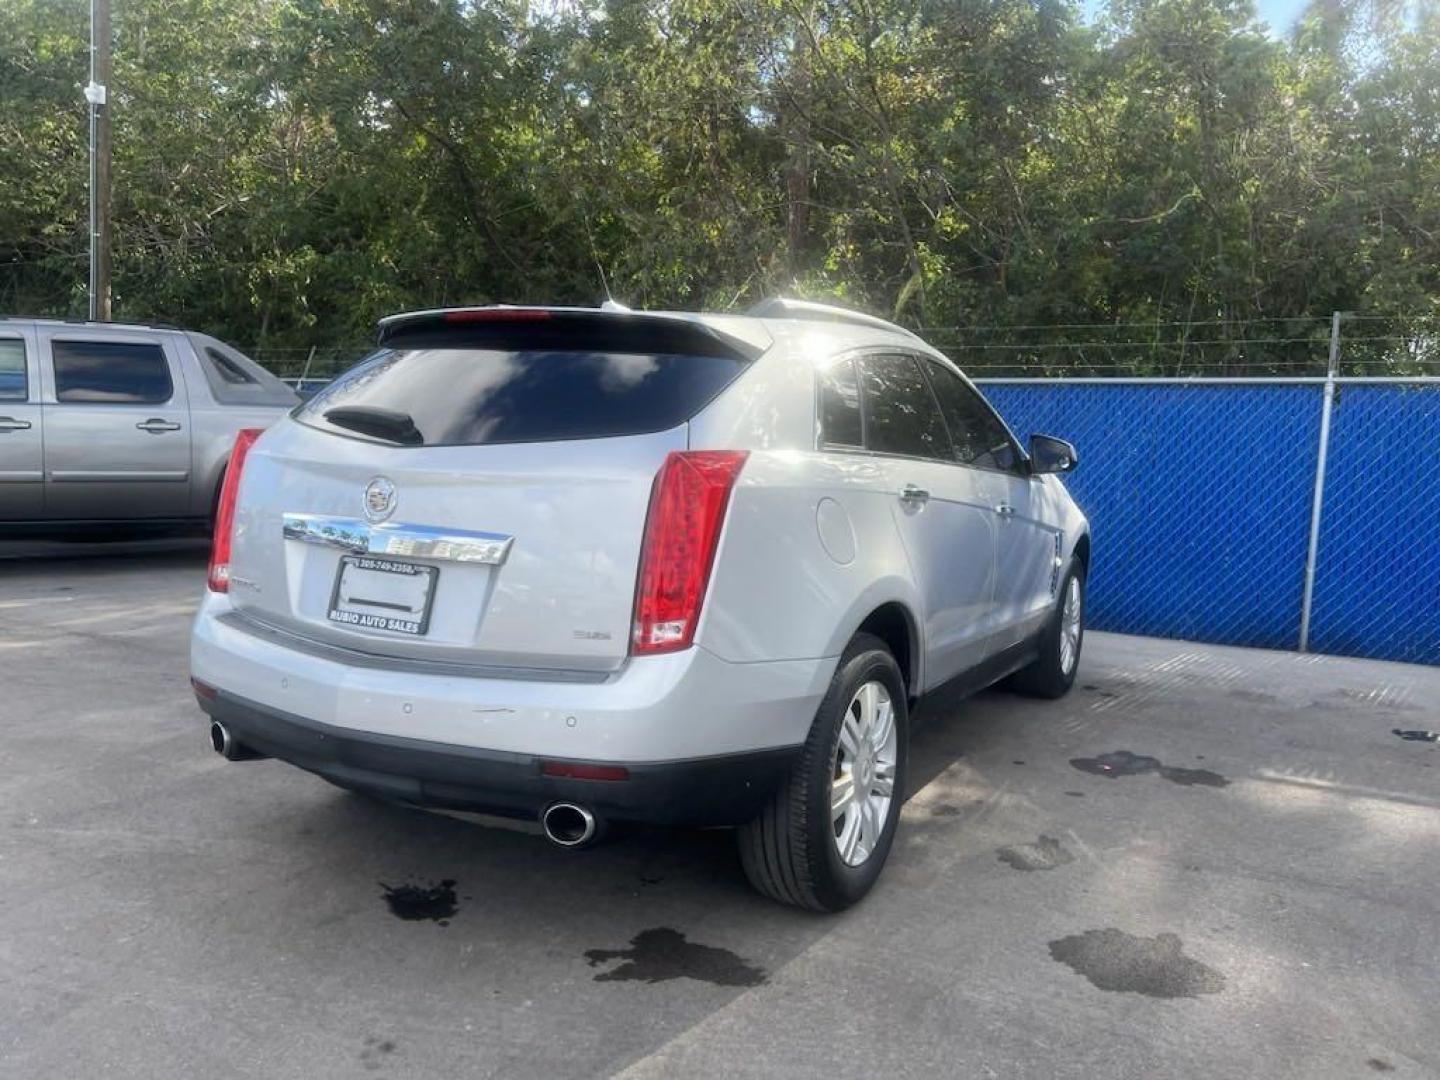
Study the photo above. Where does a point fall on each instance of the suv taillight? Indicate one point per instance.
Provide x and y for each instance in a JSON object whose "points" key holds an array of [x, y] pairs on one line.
{"points": [[219, 577], [682, 529]]}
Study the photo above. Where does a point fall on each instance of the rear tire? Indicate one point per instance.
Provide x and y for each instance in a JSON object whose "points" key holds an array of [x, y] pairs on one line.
{"points": [[822, 840], [1052, 673]]}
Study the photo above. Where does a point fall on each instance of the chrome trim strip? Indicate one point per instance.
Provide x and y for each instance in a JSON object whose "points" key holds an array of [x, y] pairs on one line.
{"points": [[394, 538], [88, 476], [21, 476], [255, 627]]}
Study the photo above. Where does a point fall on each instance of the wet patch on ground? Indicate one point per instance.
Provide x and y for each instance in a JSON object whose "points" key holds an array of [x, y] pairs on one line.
{"points": [[1046, 853], [1124, 763], [417, 903], [661, 954], [1416, 736], [376, 1051], [1124, 963]]}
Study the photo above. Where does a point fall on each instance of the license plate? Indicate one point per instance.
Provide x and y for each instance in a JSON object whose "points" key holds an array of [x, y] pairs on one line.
{"points": [[382, 594]]}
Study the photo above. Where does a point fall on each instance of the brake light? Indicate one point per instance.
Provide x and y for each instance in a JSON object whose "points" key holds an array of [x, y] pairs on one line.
{"points": [[682, 529], [219, 576], [496, 314]]}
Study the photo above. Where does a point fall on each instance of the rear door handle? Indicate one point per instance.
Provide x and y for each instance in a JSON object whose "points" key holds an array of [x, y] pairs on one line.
{"points": [[1005, 510], [9, 423], [913, 494], [156, 427]]}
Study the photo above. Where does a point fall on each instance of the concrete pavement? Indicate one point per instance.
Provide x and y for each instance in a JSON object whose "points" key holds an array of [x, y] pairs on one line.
{"points": [[1204, 862]]}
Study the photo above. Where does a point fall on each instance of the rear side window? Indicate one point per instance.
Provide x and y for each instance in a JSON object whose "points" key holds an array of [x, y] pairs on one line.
{"points": [[474, 396], [902, 414], [13, 386], [980, 439], [111, 372], [840, 405], [228, 370]]}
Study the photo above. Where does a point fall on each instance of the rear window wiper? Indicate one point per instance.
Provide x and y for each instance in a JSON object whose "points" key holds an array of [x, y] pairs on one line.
{"points": [[388, 424]]}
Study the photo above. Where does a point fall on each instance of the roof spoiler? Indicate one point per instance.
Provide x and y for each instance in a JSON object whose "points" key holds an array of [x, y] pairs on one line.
{"points": [[780, 307], [506, 326]]}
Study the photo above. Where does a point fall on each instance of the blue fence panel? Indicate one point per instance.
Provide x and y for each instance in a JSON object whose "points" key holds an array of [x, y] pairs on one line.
{"points": [[1377, 582], [1198, 497]]}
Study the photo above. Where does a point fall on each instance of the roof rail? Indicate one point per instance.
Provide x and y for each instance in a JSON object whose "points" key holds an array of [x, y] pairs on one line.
{"points": [[780, 307]]}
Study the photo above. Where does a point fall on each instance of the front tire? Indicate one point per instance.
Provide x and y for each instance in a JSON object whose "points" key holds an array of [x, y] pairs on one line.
{"points": [[1052, 673], [822, 840]]}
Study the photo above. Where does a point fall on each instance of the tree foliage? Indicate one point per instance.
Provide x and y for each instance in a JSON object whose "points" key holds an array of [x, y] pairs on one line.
{"points": [[288, 170]]}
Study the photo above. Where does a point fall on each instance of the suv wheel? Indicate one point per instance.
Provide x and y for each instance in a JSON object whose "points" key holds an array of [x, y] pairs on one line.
{"points": [[1053, 672], [823, 839]]}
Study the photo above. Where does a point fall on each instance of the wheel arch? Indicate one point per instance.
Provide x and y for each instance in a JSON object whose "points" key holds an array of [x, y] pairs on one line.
{"points": [[894, 624], [1081, 551]]}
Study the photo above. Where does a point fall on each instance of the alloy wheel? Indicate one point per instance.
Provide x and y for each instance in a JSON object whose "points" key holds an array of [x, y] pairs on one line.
{"points": [[863, 775]]}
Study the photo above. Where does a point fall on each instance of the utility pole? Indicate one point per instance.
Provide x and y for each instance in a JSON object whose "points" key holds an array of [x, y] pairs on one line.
{"points": [[97, 94]]}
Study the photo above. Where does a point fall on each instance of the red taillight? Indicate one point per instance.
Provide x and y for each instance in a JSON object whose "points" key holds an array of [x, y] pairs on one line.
{"points": [[687, 510], [219, 578], [497, 314]]}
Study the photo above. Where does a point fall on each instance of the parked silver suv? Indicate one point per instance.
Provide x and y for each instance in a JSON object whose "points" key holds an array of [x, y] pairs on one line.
{"points": [[108, 423], [594, 566]]}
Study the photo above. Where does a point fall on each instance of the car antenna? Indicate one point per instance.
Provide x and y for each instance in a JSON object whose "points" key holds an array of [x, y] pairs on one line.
{"points": [[610, 304]]}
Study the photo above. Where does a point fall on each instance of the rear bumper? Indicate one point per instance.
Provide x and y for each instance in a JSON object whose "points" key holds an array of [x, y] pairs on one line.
{"points": [[704, 740], [725, 790]]}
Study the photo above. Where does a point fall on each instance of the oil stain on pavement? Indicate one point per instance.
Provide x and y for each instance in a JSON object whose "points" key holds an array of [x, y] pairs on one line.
{"points": [[1045, 854], [1157, 967], [1124, 763], [375, 1052], [660, 954], [1416, 736], [416, 903]]}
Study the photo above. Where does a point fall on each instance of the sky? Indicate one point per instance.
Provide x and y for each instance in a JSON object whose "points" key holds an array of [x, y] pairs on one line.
{"points": [[1279, 14]]}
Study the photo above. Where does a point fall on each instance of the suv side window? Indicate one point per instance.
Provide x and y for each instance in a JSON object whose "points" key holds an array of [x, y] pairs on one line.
{"points": [[901, 414], [978, 436], [228, 369], [13, 384], [111, 373], [840, 423]]}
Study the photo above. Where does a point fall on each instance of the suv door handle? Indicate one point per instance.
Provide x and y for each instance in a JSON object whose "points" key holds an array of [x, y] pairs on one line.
{"points": [[913, 494], [9, 423], [156, 427], [1005, 510]]}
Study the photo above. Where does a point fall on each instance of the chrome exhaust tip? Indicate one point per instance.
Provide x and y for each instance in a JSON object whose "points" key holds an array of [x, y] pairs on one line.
{"points": [[568, 825], [227, 746]]}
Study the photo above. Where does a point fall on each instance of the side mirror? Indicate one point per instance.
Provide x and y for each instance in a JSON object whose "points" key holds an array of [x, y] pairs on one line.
{"points": [[1051, 455]]}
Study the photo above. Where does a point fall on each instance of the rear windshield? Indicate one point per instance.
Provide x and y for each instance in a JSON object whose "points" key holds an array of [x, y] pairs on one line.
{"points": [[469, 396]]}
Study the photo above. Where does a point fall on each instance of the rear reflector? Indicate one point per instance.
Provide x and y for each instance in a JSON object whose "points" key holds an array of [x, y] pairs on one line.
{"points": [[219, 576], [687, 511], [203, 689], [474, 315], [574, 770]]}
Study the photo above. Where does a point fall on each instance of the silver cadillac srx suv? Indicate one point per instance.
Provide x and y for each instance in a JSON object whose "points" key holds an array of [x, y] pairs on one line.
{"points": [[593, 566]]}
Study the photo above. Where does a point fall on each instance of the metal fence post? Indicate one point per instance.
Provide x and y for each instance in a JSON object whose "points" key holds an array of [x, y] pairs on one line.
{"points": [[305, 372], [1317, 503]]}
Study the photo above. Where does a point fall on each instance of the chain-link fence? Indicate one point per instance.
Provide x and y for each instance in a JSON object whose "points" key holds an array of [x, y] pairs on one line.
{"points": [[1202, 498], [309, 367]]}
